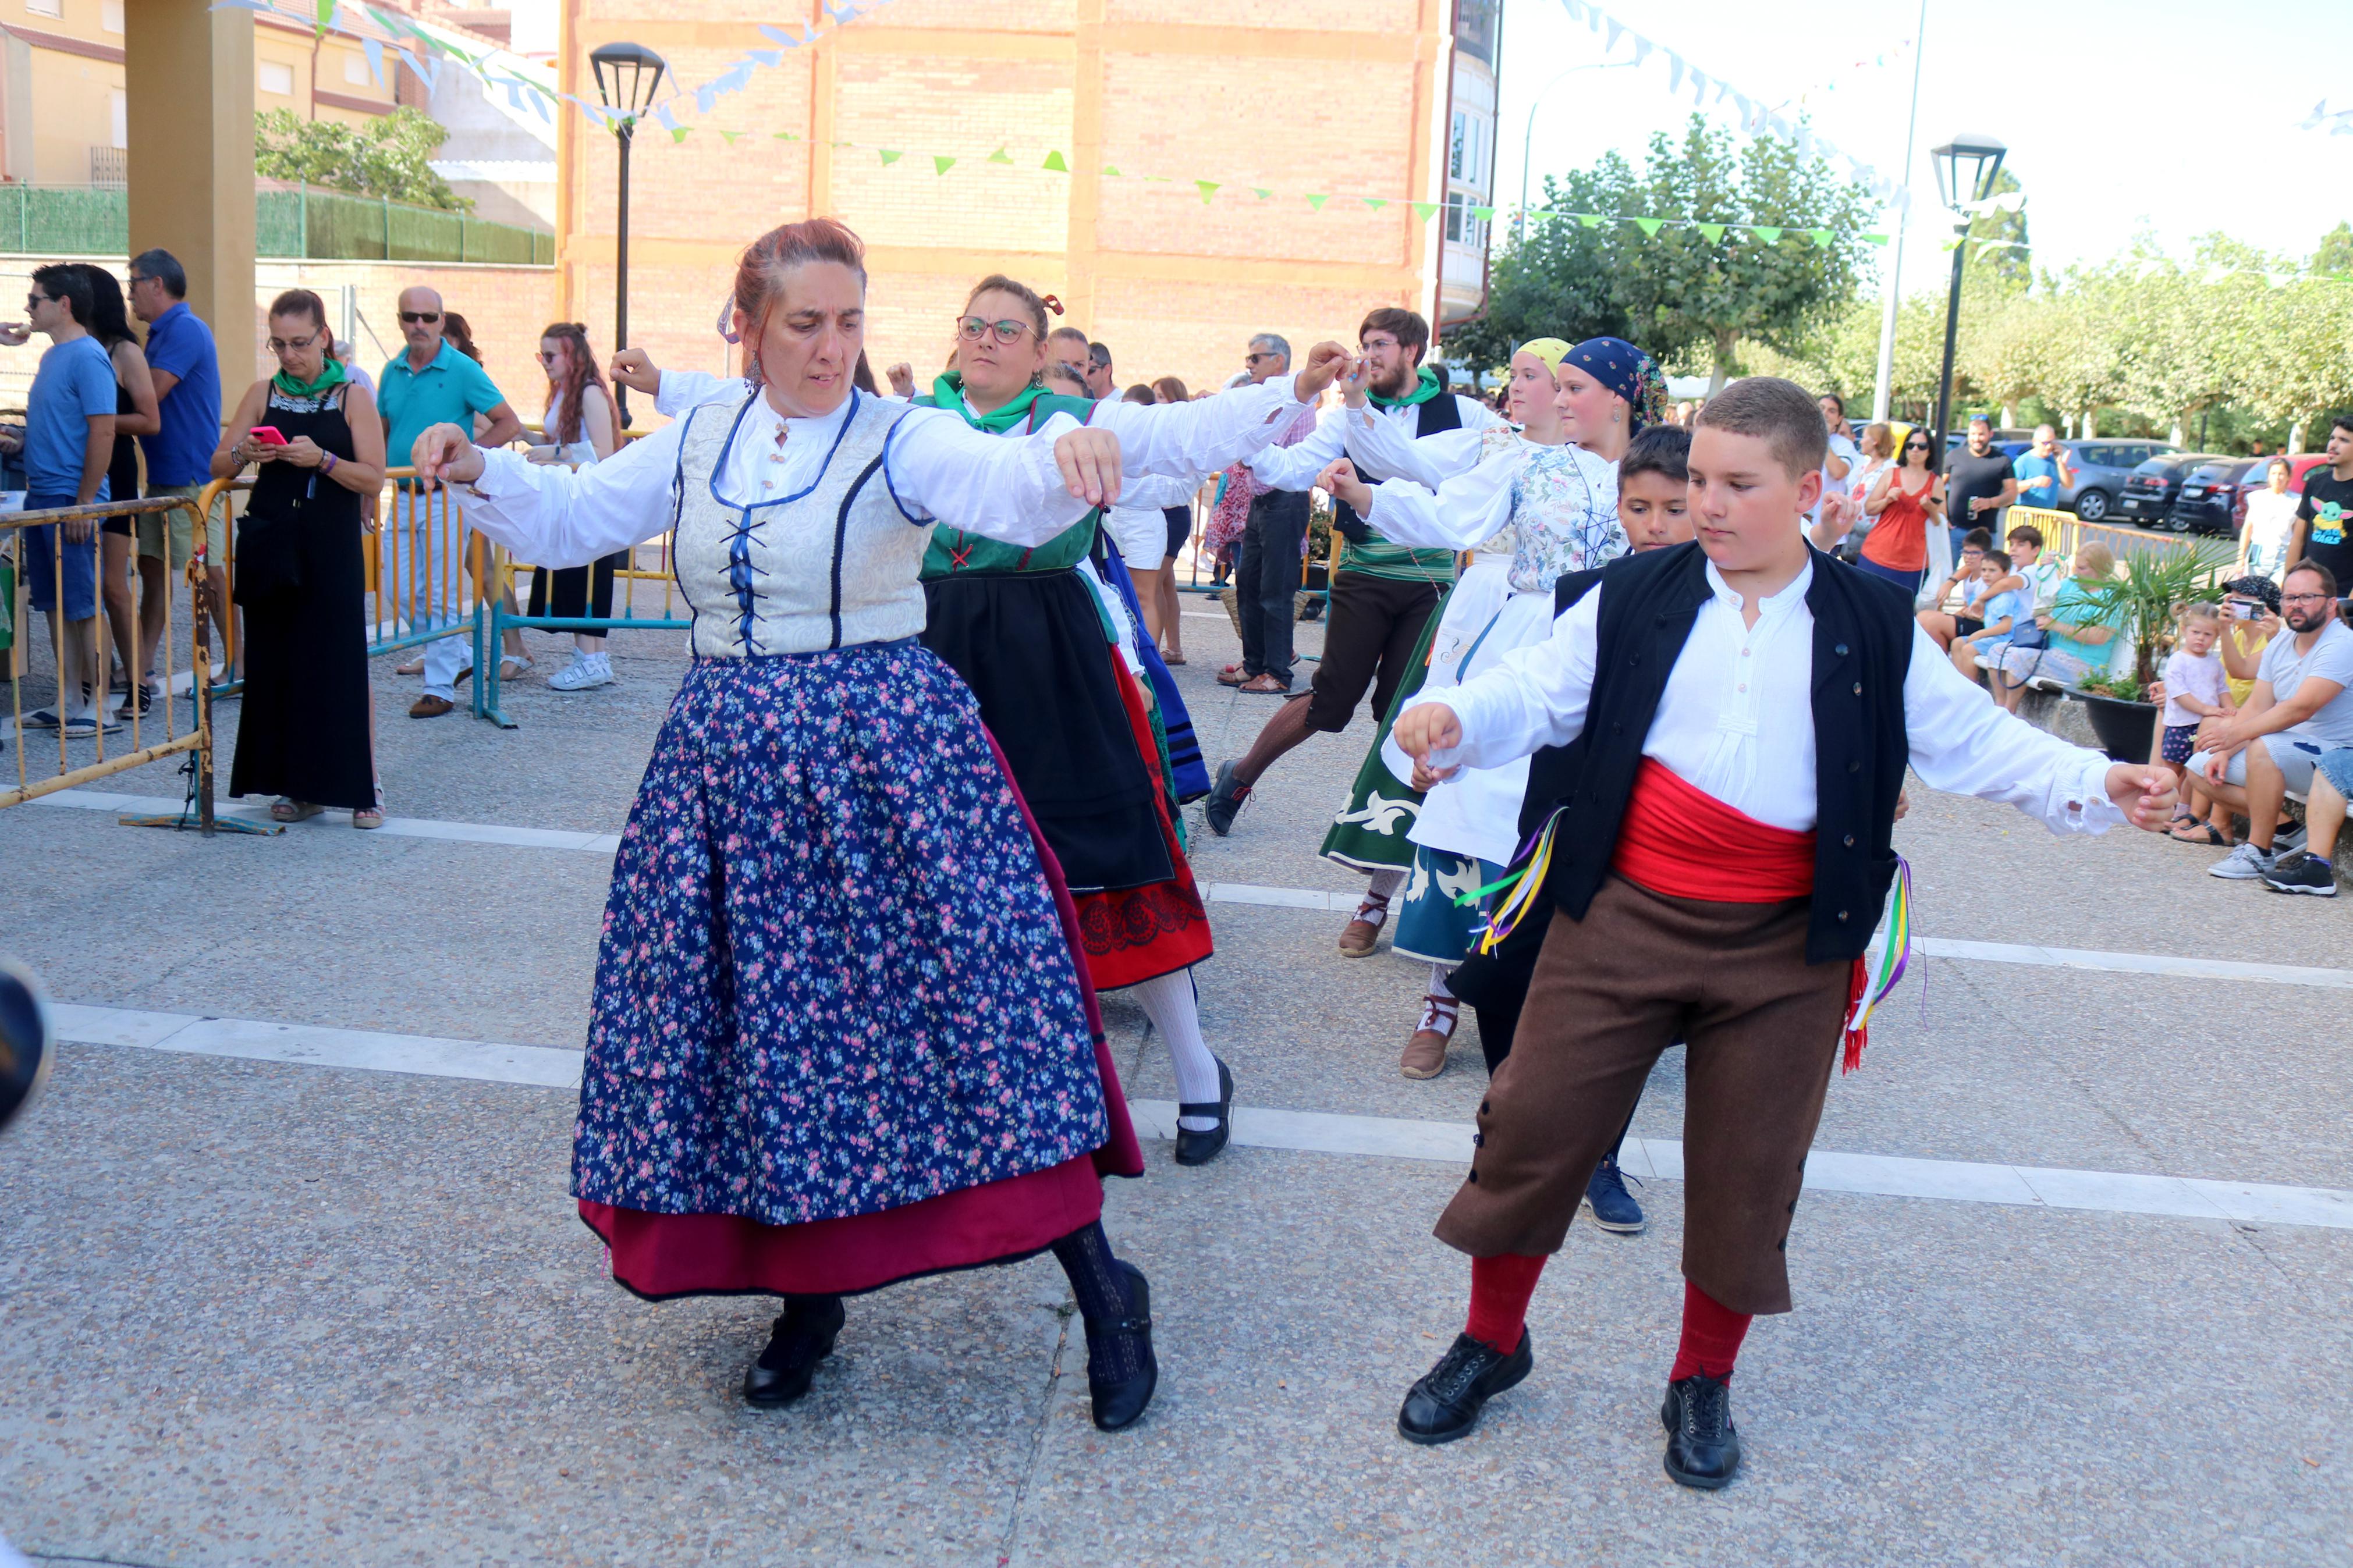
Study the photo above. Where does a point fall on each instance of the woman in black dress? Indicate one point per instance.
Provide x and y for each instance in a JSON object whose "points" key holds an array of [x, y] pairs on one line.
{"points": [[305, 732]]}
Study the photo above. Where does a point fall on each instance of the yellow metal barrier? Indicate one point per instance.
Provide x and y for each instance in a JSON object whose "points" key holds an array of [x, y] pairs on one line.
{"points": [[71, 672]]}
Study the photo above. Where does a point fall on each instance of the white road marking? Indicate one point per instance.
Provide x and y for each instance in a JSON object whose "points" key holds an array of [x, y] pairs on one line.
{"points": [[1444, 1142], [2165, 965]]}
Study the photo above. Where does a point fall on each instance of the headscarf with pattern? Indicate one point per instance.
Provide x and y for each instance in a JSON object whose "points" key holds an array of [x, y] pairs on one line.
{"points": [[1626, 371], [1552, 350]]}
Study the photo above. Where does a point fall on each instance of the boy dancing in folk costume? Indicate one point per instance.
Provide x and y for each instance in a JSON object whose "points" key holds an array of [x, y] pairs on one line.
{"points": [[1743, 708]]}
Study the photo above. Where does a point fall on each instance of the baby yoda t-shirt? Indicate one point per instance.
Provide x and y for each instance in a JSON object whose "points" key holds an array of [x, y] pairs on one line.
{"points": [[2328, 501]]}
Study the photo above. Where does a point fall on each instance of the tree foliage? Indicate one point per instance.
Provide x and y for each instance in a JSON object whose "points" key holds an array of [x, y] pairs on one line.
{"points": [[388, 157], [1678, 286]]}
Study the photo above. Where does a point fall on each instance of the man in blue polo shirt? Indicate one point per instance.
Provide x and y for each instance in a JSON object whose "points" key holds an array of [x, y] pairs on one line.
{"points": [[186, 368], [433, 384]]}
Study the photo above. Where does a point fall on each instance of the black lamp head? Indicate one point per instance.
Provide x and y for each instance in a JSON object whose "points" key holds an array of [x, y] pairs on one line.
{"points": [[628, 76], [1966, 169]]}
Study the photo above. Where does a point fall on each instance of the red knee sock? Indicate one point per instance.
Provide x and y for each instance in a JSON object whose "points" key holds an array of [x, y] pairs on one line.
{"points": [[1712, 1336], [1500, 1288]]}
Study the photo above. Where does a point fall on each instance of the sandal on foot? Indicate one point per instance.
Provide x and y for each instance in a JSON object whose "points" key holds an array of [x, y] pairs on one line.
{"points": [[291, 810], [514, 666], [2205, 835], [1363, 933], [410, 666]]}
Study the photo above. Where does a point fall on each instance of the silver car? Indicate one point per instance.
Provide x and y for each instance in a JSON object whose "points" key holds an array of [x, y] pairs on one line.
{"points": [[2102, 465]]}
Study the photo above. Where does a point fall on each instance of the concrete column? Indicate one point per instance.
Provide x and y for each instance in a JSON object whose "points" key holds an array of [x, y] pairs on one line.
{"points": [[188, 75]]}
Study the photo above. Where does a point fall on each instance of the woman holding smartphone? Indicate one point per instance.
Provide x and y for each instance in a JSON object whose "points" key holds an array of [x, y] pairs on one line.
{"points": [[307, 727]]}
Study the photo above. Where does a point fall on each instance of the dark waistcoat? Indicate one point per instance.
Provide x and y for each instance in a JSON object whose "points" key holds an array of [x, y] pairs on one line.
{"points": [[1861, 651]]}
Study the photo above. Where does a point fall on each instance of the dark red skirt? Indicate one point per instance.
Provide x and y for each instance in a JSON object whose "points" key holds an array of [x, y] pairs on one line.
{"points": [[1133, 934], [659, 1256]]}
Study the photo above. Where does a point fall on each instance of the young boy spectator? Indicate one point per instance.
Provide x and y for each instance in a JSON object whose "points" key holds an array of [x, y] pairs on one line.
{"points": [[1946, 625], [2195, 691], [2079, 630], [2001, 612]]}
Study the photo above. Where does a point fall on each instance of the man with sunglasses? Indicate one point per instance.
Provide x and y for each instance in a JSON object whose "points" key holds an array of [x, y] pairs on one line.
{"points": [[432, 383]]}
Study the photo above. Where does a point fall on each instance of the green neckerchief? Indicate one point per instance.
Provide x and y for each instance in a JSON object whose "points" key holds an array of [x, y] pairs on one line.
{"points": [[330, 377], [947, 391], [1426, 388]]}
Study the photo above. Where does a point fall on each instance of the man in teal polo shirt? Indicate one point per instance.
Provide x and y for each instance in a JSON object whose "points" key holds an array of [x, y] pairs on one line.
{"points": [[433, 384]]}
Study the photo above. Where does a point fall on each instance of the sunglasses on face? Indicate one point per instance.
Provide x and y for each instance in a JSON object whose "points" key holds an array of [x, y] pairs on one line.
{"points": [[292, 345], [35, 300], [972, 328], [1915, 445], [543, 357], [1253, 359], [427, 317]]}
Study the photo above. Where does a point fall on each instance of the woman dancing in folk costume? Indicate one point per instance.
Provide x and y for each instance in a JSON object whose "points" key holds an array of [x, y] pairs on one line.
{"points": [[1552, 508], [839, 1037], [1743, 708], [1021, 621]]}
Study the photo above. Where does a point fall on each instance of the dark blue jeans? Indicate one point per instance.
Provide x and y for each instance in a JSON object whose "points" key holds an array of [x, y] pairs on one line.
{"points": [[1266, 581]]}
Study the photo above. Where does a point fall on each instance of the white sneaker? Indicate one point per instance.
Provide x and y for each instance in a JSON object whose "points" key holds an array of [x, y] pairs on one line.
{"points": [[587, 670], [2245, 864]]}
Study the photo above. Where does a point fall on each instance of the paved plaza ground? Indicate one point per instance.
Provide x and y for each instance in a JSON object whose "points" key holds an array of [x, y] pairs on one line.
{"points": [[290, 1274]]}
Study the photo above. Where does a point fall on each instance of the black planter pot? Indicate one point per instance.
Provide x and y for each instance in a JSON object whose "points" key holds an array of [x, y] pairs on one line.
{"points": [[2126, 731]]}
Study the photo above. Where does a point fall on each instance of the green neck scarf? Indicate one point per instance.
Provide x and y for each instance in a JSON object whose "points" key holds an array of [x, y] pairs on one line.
{"points": [[1425, 388], [330, 376], [947, 391]]}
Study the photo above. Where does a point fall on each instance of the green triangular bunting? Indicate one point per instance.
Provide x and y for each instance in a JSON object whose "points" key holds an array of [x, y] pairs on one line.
{"points": [[1110, 173], [941, 163], [1590, 220], [678, 132], [889, 154], [1376, 203], [1769, 236], [1873, 238], [1000, 156], [1425, 210], [1649, 225], [1713, 231], [1484, 214], [729, 136], [1261, 194], [1054, 162], [1821, 237], [1317, 202], [1207, 188], [786, 136]]}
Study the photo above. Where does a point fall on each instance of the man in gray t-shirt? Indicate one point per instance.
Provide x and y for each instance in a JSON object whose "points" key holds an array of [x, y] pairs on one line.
{"points": [[2301, 708]]}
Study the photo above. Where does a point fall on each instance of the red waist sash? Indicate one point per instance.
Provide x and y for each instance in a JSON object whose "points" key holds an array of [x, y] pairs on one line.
{"points": [[1681, 842]]}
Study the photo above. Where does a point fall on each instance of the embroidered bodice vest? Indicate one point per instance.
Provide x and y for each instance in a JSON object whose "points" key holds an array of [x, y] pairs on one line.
{"points": [[831, 566], [1564, 516]]}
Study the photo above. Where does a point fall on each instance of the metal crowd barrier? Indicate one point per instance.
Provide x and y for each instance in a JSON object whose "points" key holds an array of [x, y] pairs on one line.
{"points": [[144, 745], [2066, 532], [495, 617]]}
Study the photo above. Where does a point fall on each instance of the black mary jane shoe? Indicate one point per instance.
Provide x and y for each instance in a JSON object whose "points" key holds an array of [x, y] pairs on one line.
{"points": [[803, 1336], [1445, 1404], [1117, 1406], [1703, 1444], [1200, 1148]]}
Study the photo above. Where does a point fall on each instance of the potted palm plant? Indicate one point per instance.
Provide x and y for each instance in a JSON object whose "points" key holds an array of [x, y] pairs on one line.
{"points": [[2140, 600]]}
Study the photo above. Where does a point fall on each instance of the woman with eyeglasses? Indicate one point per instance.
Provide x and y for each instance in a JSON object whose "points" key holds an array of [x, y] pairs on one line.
{"points": [[306, 727], [1903, 500], [840, 1037], [581, 429]]}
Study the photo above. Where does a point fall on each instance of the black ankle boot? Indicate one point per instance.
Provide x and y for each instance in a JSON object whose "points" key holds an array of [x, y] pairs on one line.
{"points": [[803, 1336], [1446, 1403], [1200, 1148], [1703, 1444], [1118, 1402]]}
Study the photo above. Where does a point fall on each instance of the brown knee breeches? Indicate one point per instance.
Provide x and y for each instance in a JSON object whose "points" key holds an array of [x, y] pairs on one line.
{"points": [[1613, 991]]}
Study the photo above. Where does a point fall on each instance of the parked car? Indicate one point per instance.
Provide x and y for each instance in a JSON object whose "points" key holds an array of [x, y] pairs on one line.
{"points": [[2102, 466], [2148, 494], [2260, 476], [2208, 499]]}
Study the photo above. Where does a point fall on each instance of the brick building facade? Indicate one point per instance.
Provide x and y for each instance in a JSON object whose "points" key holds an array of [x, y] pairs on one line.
{"points": [[1345, 96]]}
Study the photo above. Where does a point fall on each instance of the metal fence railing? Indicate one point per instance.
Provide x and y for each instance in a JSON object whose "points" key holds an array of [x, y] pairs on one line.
{"points": [[95, 220]]}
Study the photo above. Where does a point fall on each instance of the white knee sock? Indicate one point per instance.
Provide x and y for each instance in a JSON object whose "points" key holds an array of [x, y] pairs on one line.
{"points": [[1438, 974], [1176, 1016], [1385, 884]]}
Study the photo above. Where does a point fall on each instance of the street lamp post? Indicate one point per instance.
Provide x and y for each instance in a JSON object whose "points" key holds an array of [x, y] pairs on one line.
{"points": [[1965, 167], [1527, 138], [626, 78]]}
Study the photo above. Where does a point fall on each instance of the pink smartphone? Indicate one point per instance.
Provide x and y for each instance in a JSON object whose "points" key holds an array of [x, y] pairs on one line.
{"points": [[267, 435]]}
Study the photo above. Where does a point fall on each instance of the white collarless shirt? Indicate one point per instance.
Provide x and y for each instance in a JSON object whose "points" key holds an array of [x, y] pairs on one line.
{"points": [[1737, 718]]}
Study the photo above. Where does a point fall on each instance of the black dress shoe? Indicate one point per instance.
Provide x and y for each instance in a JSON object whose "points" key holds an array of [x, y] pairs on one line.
{"points": [[1703, 1444], [1119, 1401], [1200, 1148], [1445, 1404], [1226, 797], [803, 1336]]}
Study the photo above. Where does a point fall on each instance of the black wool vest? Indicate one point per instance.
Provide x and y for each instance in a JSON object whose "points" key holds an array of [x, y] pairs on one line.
{"points": [[1861, 652], [1439, 413]]}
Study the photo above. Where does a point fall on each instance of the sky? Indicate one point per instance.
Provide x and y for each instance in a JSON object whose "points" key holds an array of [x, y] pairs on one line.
{"points": [[2163, 116]]}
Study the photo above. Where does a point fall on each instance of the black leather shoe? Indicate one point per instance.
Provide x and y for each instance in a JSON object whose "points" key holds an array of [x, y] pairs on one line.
{"points": [[1445, 1404], [1226, 797], [803, 1337], [1118, 1404], [1703, 1444], [1200, 1148]]}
